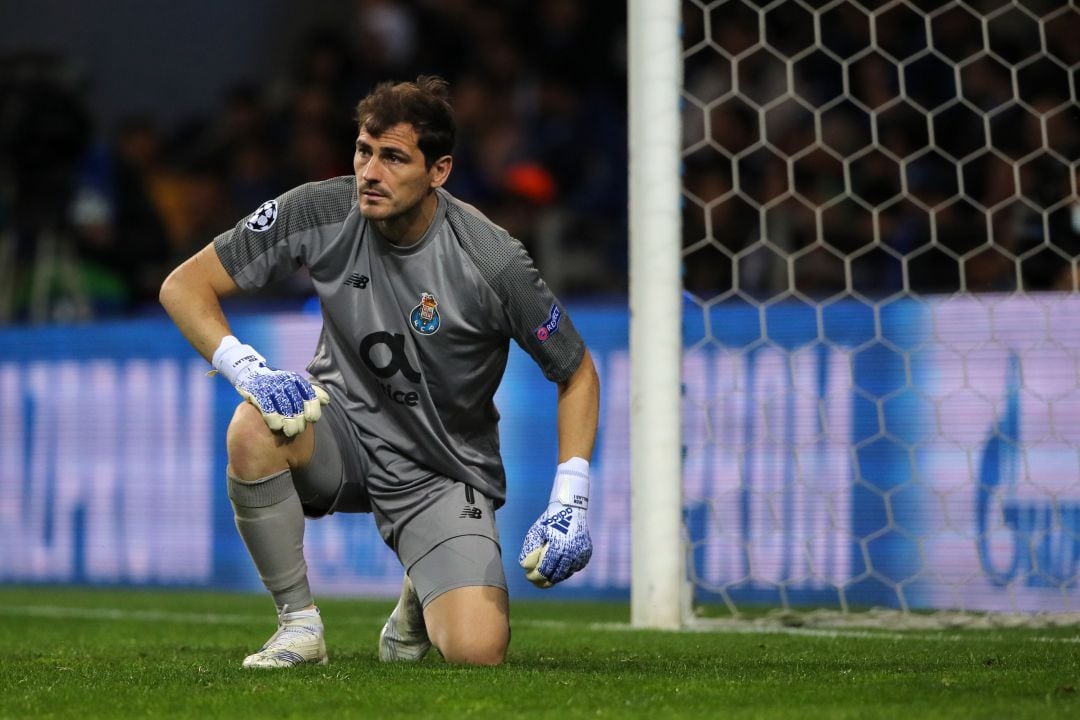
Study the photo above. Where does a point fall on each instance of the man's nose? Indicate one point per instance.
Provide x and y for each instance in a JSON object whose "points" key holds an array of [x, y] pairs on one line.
{"points": [[371, 171]]}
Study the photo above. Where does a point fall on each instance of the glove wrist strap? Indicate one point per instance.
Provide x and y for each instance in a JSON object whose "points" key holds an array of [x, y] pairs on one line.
{"points": [[232, 358], [572, 484]]}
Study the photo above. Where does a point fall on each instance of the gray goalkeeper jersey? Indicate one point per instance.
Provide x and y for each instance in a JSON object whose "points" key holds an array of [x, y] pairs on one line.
{"points": [[415, 339]]}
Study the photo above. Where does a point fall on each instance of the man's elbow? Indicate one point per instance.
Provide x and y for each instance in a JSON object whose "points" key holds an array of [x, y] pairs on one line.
{"points": [[170, 288], [585, 375], [588, 370], [183, 285]]}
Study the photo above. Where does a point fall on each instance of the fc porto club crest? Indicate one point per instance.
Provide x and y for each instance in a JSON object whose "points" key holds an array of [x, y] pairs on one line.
{"points": [[425, 316]]}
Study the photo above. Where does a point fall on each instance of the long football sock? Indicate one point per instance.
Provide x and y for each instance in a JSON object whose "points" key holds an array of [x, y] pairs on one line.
{"points": [[271, 522]]}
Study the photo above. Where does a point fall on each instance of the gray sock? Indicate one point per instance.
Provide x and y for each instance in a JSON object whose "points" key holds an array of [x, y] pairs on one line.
{"points": [[271, 523]]}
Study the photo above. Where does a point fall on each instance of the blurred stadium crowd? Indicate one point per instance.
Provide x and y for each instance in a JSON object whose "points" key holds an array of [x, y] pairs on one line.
{"points": [[912, 150], [92, 218]]}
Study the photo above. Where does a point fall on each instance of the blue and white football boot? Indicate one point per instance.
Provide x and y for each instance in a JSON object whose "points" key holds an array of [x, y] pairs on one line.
{"points": [[298, 640], [404, 637]]}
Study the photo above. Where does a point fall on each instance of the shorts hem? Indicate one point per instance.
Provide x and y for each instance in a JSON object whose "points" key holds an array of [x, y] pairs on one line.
{"points": [[453, 584], [425, 601]]}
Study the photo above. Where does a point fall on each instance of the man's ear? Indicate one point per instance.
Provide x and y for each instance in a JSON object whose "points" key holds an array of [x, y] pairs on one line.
{"points": [[440, 171]]}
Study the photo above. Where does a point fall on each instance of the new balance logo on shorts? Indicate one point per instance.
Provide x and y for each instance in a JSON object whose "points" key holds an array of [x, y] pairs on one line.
{"points": [[470, 510], [357, 280], [561, 520]]}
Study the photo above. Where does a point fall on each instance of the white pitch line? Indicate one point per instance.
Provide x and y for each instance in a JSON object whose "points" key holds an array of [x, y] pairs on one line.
{"points": [[77, 613], [748, 629], [83, 613], [117, 614]]}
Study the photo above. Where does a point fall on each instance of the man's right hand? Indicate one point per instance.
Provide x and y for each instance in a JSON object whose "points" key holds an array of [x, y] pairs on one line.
{"points": [[286, 400]]}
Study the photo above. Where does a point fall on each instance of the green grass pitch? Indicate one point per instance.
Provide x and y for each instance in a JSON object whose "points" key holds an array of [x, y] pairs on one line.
{"points": [[78, 653]]}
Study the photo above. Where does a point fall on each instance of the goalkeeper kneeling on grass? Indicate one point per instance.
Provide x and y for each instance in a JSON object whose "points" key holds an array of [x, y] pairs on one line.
{"points": [[420, 296]]}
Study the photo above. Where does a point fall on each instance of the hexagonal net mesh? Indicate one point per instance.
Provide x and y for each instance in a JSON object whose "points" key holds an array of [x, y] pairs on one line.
{"points": [[880, 236]]}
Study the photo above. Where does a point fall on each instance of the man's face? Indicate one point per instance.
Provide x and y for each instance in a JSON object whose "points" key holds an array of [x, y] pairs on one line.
{"points": [[391, 178]]}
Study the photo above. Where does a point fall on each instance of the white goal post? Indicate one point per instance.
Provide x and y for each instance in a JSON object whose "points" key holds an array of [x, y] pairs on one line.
{"points": [[854, 245], [658, 578]]}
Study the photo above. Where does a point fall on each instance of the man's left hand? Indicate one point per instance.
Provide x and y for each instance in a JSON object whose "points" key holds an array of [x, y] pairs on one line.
{"points": [[558, 543]]}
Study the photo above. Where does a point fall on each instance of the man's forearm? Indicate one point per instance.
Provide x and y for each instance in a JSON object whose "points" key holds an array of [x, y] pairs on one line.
{"points": [[579, 412], [191, 296], [558, 545], [199, 318]]}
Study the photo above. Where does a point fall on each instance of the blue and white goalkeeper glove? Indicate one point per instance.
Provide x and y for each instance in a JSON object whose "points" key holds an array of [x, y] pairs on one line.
{"points": [[287, 401], [558, 543]]}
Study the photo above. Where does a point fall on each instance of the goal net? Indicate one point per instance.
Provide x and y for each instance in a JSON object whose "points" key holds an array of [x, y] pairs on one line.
{"points": [[880, 325]]}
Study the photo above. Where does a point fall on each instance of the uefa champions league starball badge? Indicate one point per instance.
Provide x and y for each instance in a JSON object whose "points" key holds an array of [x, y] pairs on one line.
{"points": [[263, 219], [425, 316]]}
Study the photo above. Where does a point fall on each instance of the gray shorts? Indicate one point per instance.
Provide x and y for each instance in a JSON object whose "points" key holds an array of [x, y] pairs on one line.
{"points": [[442, 530]]}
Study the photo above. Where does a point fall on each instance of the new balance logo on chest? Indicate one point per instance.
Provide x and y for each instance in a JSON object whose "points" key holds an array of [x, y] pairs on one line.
{"points": [[357, 280]]}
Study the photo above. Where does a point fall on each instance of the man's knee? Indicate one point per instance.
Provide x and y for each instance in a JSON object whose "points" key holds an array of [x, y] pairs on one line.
{"points": [[470, 625], [474, 645], [255, 451]]}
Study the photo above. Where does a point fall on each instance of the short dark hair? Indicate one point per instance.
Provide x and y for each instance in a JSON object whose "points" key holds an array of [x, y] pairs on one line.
{"points": [[423, 104]]}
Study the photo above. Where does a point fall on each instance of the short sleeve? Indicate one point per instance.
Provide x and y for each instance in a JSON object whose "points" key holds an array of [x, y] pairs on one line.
{"points": [[538, 322], [284, 233]]}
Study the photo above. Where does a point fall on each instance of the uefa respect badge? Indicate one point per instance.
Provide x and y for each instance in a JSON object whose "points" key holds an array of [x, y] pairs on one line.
{"points": [[550, 326]]}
